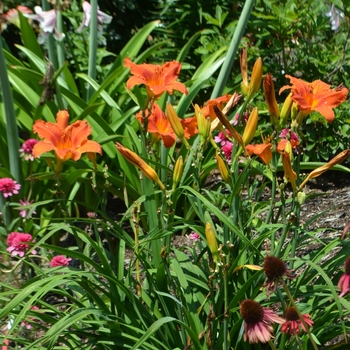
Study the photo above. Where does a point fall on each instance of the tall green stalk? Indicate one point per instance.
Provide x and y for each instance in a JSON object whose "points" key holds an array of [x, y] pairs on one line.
{"points": [[11, 121], [231, 53], [92, 47]]}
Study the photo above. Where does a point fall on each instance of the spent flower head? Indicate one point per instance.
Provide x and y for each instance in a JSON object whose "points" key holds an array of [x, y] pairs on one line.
{"points": [[26, 212], [258, 321], [26, 323], [274, 269]]}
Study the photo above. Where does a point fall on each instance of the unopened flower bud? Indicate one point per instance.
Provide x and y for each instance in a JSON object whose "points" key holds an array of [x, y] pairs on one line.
{"points": [[251, 126], [178, 170], [270, 97], [134, 159], [203, 124], [286, 109], [223, 169], [289, 173], [175, 122], [256, 77], [301, 197], [212, 242], [243, 60]]}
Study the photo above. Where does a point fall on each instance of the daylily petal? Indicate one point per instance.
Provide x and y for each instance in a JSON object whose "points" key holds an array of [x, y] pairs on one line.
{"points": [[90, 146], [80, 130], [327, 112], [49, 131], [42, 147]]}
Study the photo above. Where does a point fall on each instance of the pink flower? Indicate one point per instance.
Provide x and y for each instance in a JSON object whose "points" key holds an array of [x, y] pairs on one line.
{"points": [[91, 214], [194, 236], [11, 16], [27, 148], [293, 322], [8, 187], [258, 321], [344, 282], [287, 134], [102, 18], [26, 213], [27, 324], [59, 260], [47, 23], [227, 149], [17, 243]]}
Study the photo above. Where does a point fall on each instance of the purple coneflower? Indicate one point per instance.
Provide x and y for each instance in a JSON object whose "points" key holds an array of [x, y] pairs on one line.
{"points": [[258, 321], [293, 322]]}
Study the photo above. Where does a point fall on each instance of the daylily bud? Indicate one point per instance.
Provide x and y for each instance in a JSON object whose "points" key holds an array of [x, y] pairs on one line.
{"points": [[244, 71], [289, 173], [203, 124], [289, 149], [256, 77], [224, 121], [175, 122], [285, 112], [134, 159], [223, 169], [270, 97], [320, 170], [251, 126], [178, 170], [212, 242], [301, 197]]}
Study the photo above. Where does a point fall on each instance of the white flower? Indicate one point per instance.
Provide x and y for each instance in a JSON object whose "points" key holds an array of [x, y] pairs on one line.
{"points": [[47, 22], [102, 18], [336, 17]]}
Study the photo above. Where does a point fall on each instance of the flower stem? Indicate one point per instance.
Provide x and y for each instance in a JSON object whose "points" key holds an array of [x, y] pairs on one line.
{"points": [[272, 345]]}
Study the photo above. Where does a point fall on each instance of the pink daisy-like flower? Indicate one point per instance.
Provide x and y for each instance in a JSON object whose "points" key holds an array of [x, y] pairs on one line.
{"points": [[59, 260], [274, 269], [344, 282], [26, 213], [258, 321], [8, 187], [18, 243], [293, 322], [194, 236], [27, 148], [27, 324]]}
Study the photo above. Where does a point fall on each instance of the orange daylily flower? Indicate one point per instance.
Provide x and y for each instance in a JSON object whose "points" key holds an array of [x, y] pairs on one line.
{"points": [[158, 79], [159, 126], [208, 110], [316, 96], [262, 150], [68, 141]]}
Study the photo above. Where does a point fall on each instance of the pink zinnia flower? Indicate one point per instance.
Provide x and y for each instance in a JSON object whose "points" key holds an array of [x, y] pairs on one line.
{"points": [[293, 322], [47, 23], [102, 18], [258, 321], [27, 148], [59, 260], [26, 213], [194, 236], [17, 243], [227, 149], [274, 269], [8, 187], [27, 324], [344, 282]]}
